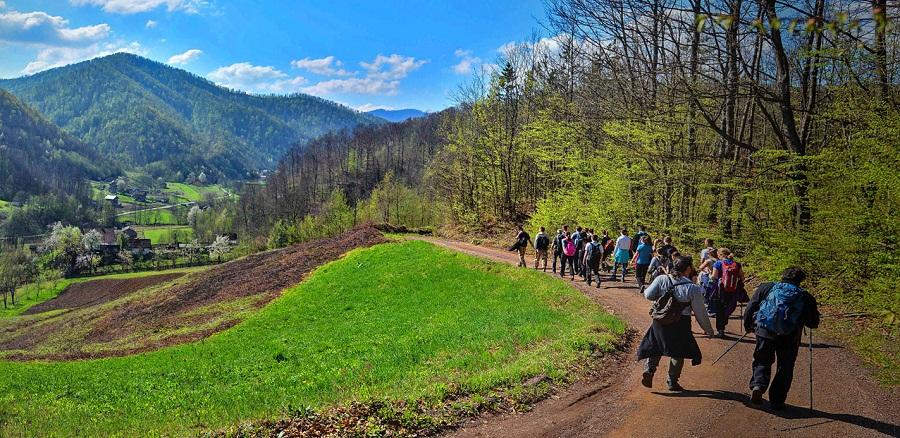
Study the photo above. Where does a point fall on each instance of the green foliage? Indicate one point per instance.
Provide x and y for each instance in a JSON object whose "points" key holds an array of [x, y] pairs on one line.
{"points": [[333, 218], [394, 203], [170, 122], [403, 321]]}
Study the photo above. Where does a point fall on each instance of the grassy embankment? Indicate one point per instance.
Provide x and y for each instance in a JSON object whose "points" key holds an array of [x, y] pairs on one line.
{"points": [[402, 321]]}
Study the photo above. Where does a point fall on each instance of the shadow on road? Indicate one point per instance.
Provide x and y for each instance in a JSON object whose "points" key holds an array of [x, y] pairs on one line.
{"points": [[794, 412]]}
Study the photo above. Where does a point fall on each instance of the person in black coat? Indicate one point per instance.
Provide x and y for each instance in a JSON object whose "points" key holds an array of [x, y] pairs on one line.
{"points": [[779, 341]]}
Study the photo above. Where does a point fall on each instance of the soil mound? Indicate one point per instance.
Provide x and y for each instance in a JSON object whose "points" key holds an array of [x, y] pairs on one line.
{"points": [[91, 293]]}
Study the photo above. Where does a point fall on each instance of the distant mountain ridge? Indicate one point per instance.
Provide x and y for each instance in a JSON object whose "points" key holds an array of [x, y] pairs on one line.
{"points": [[36, 157], [170, 122], [400, 115]]}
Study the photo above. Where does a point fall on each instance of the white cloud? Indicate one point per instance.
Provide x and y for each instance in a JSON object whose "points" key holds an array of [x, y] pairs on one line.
{"points": [[327, 66], [186, 57], [151, 24], [52, 57], [2, 4], [467, 62], [372, 107], [43, 29], [137, 6], [256, 79], [382, 76], [391, 67]]}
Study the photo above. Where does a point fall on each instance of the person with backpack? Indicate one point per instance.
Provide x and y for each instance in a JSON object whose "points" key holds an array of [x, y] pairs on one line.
{"points": [[593, 252], [659, 265], [643, 256], [636, 240], [623, 254], [557, 248], [578, 237], [568, 256], [522, 242], [675, 297], [607, 243], [777, 314], [541, 246], [707, 248], [728, 279], [667, 246]]}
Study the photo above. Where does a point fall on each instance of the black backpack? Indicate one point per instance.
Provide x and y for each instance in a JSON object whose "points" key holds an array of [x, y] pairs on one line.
{"points": [[666, 310], [543, 242], [595, 251]]}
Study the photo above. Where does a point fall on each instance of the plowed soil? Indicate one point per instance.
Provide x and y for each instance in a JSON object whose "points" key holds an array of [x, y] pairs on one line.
{"points": [[186, 312], [92, 293]]}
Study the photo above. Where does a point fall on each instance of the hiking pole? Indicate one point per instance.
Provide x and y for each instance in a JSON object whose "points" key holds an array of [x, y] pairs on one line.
{"points": [[809, 341], [732, 346]]}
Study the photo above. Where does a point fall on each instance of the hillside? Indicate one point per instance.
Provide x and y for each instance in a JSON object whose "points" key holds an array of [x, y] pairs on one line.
{"points": [[36, 157], [400, 115], [142, 113]]}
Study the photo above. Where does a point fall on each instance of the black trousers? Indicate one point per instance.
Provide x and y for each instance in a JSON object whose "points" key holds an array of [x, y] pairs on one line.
{"points": [[640, 273], [556, 256], [784, 350], [567, 260]]}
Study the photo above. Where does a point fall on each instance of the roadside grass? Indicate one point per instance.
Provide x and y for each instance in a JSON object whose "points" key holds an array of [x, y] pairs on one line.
{"points": [[397, 322], [167, 234], [36, 293]]}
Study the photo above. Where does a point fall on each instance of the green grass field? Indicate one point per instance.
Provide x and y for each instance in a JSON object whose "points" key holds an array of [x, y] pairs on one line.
{"points": [[36, 293], [153, 217], [186, 192], [401, 321], [164, 234]]}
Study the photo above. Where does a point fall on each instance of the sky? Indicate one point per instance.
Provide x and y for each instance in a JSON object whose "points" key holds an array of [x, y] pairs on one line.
{"points": [[364, 54]]}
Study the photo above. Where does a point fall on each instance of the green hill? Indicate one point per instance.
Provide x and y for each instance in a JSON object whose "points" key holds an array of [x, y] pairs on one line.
{"points": [[146, 114], [36, 157]]}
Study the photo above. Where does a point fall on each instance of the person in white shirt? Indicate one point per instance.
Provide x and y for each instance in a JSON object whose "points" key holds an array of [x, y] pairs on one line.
{"points": [[622, 254], [674, 340]]}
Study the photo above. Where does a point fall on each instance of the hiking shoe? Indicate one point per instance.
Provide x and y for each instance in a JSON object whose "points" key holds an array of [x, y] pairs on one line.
{"points": [[675, 387], [721, 334], [756, 396], [777, 406], [647, 379]]}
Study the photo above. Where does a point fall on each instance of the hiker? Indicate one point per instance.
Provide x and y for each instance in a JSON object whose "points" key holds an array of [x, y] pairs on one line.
{"points": [[541, 246], [593, 252], [728, 279], [777, 313], [579, 238], [643, 255], [568, 256], [667, 247], [557, 248], [707, 248], [659, 265], [607, 243], [623, 254], [670, 332], [522, 242], [636, 240], [704, 278]]}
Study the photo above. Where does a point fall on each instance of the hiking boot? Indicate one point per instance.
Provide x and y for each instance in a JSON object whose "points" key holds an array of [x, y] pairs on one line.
{"points": [[647, 379], [777, 406], [756, 396], [675, 387], [721, 334]]}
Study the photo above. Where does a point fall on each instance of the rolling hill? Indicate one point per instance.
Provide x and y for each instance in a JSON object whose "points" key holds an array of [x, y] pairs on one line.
{"points": [[36, 157], [400, 115], [145, 114]]}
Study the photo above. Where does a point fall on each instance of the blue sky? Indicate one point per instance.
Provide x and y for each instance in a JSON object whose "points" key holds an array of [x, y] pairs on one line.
{"points": [[365, 54]]}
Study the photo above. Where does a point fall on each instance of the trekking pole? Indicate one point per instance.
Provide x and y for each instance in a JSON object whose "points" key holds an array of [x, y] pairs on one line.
{"points": [[732, 346], [810, 370]]}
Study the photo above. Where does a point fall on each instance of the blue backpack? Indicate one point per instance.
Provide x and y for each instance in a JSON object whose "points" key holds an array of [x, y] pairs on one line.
{"points": [[782, 309]]}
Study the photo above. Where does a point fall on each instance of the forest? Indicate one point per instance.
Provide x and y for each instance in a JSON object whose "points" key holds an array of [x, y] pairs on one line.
{"points": [[770, 126]]}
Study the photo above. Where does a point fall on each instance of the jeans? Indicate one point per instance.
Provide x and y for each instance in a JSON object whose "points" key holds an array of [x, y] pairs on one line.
{"points": [[570, 260], [624, 270], [675, 366], [784, 349], [595, 271]]}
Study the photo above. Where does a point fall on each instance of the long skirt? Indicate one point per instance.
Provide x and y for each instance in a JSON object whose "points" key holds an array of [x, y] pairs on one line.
{"points": [[673, 340]]}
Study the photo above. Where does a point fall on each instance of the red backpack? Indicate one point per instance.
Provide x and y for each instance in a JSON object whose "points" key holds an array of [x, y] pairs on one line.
{"points": [[731, 277]]}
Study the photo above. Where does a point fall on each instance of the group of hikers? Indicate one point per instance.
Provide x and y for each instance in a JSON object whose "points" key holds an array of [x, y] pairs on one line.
{"points": [[776, 313]]}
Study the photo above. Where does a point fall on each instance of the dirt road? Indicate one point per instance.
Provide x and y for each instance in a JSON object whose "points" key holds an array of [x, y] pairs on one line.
{"points": [[847, 403]]}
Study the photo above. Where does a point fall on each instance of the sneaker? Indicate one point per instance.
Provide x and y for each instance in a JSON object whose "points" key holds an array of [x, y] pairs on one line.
{"points": [[756, 396], [777, 406], [647, 379], [721, 334], [675, 387]]}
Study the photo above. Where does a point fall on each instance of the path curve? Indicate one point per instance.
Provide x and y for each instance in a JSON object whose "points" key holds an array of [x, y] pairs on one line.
{"points": [[847, 402]]}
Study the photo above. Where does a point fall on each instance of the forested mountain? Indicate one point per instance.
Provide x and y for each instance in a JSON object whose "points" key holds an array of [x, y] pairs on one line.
{"points": [[36, 157], [397, 115], [143, 113]]}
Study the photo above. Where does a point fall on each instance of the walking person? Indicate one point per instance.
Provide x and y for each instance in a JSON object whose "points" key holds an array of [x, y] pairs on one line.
{"points": [[557, 248], [522, 242], [707, 248], [623, 254], [777, 314], [541, 247], [608, 245], [578, 237], [593, 252], [673, 337], [568, 256], [636, 240], [643, 256], [659, 265], [728, 279]]}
